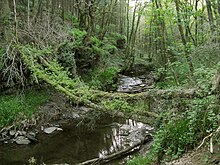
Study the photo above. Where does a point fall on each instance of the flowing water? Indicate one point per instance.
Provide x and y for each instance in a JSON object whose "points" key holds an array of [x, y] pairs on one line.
{"points": [[128, 84]]}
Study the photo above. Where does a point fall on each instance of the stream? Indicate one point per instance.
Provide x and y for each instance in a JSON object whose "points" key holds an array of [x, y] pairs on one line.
{"points": [[71, 142], [76, 143]]}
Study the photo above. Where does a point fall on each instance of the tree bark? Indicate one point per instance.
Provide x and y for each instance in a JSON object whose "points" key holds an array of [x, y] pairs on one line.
{"points": [[184, 42], [4, 13], [210, 15], [218, 3]]}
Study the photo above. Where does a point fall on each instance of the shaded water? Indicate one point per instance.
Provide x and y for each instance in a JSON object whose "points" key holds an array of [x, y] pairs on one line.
{"points": [[74, 144]]}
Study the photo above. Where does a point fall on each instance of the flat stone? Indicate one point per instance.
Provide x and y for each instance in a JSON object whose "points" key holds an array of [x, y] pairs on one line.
{"points": [[59, 129], [12, 132], [50, 130], [22, 140]]}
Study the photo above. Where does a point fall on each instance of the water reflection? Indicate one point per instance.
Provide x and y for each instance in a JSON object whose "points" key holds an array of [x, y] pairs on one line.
{"points": [[75, 143]]}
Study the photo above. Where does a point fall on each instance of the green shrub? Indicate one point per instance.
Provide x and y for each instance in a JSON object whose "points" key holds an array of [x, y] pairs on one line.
{"points": [[206, 55], [104, 80], [185, 132], [139, 160], [96, 42], [72, 18], [78, 36], [204, 77], [112, 49], [177, 74], [117, 104]]}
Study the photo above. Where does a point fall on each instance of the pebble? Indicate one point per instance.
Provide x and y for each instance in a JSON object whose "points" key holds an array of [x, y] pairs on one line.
{"points": [[12, 132], [22, 140], [50, 130]]}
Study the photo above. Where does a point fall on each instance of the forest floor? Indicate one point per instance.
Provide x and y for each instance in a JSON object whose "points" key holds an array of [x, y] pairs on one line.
{"points": [[201, 156]]}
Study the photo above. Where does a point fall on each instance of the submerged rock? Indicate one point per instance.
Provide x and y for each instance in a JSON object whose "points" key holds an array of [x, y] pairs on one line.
{"points": [[50, 130], [32, 136], [22, 140]]}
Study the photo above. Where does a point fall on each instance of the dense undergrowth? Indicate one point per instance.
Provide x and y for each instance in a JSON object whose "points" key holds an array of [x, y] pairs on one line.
{"points": [[184, 123]]}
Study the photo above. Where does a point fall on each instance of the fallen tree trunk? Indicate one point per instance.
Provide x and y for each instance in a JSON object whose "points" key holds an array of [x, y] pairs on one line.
{"points": [[55, 75], [118, 154], [154, 93]]}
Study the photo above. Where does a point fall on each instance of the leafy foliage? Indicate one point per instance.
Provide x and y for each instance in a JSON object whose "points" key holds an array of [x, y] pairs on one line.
{"points": [[206, 55], [182, 132], [117, 104], [104, 80]]}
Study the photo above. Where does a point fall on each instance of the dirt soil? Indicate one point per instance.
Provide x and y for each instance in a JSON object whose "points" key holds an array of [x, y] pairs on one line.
{"points": [[199, 157]]}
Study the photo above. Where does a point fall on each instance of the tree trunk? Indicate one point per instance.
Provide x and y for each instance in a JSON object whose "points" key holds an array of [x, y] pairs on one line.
{"points": [[210, 15], [196, 23], [184, 42], [218, 3], [4, 12]]}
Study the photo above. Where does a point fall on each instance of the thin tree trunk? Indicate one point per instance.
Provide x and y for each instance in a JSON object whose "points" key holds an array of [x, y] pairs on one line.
{"points": [[218, 3], [4, 12], [184, 42], [210, 15], [133, 42], [196, 23], [128, 22], [39, 10], [28, 13], [15, 19]]}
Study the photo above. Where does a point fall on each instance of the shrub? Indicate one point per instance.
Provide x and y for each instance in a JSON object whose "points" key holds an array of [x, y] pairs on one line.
{"points": [[206, 55], [180, 134], [104, 80]]}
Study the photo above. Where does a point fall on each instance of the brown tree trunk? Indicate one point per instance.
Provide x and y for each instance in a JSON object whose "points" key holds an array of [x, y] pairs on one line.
{"points": [[218, 3], [210, 15], [196, 23], [4, 16]]}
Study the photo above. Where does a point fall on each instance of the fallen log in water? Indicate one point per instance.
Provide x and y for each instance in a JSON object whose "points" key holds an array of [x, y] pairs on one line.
{"points": [[118, 154]]}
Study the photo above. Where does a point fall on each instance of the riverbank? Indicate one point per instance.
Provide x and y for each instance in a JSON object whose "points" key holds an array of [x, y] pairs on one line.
{"points": [[16, 107], [57, 122]]}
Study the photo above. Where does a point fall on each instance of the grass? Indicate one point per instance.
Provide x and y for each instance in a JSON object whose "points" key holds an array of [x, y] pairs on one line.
{"points": [[138, 160], [20, 106]]}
